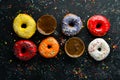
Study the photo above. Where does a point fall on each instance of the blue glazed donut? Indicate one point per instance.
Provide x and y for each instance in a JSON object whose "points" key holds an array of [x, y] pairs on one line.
{"points": [[72, 24]]}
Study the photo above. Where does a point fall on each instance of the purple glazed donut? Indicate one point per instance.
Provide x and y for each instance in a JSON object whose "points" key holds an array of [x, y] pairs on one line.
{"points": [[72, 24]]}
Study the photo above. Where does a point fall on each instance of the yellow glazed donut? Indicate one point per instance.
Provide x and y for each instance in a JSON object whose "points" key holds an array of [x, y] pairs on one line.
{"points": [[24, 26]]}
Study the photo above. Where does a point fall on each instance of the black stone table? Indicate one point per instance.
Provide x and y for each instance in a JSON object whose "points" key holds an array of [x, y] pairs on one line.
{"points": [[62, 67]]}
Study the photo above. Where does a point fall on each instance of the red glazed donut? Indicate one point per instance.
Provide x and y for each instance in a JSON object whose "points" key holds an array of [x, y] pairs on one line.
{"points": [[25, 49], [98, 25]]}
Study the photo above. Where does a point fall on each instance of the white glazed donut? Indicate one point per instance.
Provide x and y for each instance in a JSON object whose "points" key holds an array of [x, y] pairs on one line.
{"points": [[98, 49]]}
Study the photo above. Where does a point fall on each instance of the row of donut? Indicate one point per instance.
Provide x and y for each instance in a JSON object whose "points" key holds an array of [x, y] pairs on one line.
{"points": [[25, 26], [49, 48]]}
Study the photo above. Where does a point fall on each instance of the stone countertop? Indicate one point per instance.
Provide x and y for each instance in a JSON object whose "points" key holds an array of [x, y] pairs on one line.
{"points": [[62, 67]]}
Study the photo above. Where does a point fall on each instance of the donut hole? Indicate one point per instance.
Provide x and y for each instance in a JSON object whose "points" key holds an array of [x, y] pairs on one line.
{"points": [[98, 25], [99, 49], [23, 25], [49, 46], [23, 50], [71, 23]]}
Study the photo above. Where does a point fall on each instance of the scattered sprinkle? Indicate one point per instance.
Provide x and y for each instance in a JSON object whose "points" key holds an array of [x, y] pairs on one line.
{"points": [[5, 43], [85, 77], [38, 41], [10, 60], [10, 6], [55, 8], [106, 67], [14, 40], [109, 38], [114, 46]]}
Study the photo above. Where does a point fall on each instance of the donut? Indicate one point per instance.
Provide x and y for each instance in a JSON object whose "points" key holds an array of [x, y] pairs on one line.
{"points": [[71, 24], [24, 26], [25, 49], [98, 25], [46, 24], [74, 47], [49, 47], [98, 49]]}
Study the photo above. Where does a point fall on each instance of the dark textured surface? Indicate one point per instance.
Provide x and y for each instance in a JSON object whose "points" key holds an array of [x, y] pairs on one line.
{"points": [[62, 67]]}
